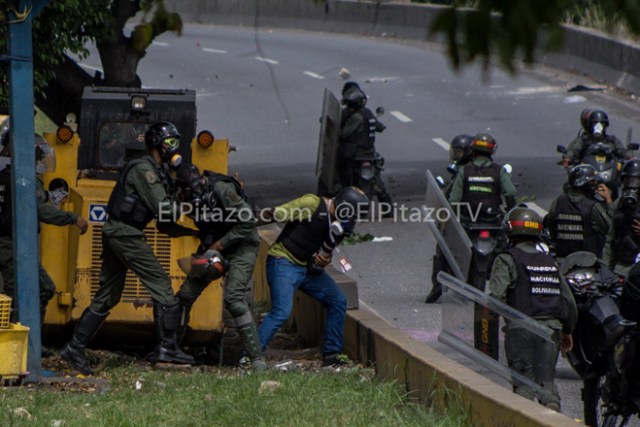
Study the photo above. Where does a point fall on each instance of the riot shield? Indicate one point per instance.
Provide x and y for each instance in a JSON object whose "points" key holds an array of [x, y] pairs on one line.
{"points": [[458, 328], [326, 162], [448, 232]]}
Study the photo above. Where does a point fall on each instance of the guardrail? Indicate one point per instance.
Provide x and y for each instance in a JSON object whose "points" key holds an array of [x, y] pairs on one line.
{"points": [[588, 52]]}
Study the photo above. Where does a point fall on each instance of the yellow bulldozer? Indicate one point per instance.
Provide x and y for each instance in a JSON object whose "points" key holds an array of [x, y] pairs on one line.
{"points": [[90, 151]]}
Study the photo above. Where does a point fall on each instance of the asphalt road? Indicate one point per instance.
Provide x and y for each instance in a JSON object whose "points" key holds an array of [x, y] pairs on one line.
{"points": [[263, 90]]}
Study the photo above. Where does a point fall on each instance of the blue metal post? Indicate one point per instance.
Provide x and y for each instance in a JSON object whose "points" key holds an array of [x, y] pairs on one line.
{"points": [[23, 185]]}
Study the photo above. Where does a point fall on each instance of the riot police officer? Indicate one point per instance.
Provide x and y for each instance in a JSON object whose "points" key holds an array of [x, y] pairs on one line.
{"points": [[623, 241], [48, 213], [579, 220], [481, 183], [226, 224], [357, 136], [141, 191], [527, 278], [594, 130], [459, 155]]}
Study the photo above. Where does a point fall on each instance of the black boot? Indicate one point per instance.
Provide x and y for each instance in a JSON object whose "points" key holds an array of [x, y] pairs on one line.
{"points": [[183, 320], [434, 295], [436, 287], [167, 350], [86, 328], [249, 335]]}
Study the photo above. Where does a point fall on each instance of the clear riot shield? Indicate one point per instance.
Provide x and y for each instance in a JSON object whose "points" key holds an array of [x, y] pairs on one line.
{"points": [[458, 250], [326, 162], [449, 233], [459, 329]]}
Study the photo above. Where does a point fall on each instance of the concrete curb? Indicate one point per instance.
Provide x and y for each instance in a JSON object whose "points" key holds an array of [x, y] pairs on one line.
{"points": [[616, 62], [427, 374]]}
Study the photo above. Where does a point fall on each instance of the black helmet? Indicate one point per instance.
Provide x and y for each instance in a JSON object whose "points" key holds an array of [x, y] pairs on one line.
{"points": [[460, 147], [583, 175], [483, 143], [598, 116], [585, 120], [348, 86], [598, 122], [165, 137], [354, 98], [351, 202], [523, 222], [630, 174], [189, 180]]}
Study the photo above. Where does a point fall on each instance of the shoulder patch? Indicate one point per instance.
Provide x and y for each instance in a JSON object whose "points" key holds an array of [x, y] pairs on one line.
{"points": [[151, 177]]}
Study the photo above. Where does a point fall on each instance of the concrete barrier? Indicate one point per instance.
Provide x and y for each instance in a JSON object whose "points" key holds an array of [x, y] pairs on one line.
{"points": [[426, 374], [587, 52]]}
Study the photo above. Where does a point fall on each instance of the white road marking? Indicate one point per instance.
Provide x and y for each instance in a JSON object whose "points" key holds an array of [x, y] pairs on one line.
{"points": [[160, 43], [208, 49], [574, 99], [398, 115], [539, 210], [441, 142], [90, 67], [267, 60], [312, 74]]}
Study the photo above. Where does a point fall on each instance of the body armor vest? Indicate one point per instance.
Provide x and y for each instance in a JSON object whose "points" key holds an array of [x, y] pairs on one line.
{"points": [[129, 208], [537, 292], [364, 137], [482, 187], [303, 238], [5, 203], [212, 231], [573, 227], [626, 244]]}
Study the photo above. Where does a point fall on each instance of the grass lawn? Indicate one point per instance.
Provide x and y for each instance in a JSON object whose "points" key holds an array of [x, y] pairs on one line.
{"points": [[137, 395]]}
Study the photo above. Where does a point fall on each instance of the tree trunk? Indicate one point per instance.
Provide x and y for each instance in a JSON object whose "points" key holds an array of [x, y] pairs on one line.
{"points": [[120, 63]]}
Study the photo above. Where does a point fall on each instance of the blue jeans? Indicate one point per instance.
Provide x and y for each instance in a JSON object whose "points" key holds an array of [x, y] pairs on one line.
{"points": [[284, 278]]}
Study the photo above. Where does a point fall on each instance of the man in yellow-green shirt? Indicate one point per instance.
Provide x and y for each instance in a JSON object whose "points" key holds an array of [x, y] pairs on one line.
{"points": [[314, 227]]}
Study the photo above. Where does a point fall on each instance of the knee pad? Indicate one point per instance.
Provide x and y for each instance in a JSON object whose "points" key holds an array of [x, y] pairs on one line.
{"points": [[237, 308]]}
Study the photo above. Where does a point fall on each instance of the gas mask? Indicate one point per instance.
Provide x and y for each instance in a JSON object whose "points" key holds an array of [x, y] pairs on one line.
{"points": [[598, 130], [630, 196], [169, 152], [45, 158], [631, 185]]}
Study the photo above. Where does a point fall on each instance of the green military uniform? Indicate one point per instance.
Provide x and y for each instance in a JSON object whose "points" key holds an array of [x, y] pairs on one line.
{"points": [[507, 189], [124, 246], [537, 361], [240, 245], [232, 224], [48, 214], [600, 218], [141, 194], [576, 148]]}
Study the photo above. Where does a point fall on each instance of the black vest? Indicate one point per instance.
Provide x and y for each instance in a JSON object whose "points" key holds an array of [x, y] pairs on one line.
{"points": [[537, 292], [573, 227], [212, 231], [626, 244], [303, 238], [5, 203], [482, 187], [129, 208], [364, 137]]}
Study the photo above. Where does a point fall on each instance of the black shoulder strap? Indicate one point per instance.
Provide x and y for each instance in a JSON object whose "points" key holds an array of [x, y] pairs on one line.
{"points": [[216, 177]]}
